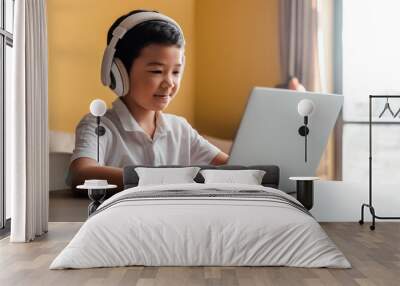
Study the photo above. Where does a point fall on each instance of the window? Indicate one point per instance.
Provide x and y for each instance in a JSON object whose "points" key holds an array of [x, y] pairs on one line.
{"points": [[371, 62], [6, 62]]}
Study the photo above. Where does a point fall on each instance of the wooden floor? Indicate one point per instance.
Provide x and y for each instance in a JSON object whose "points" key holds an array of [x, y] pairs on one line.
{"points": [[374, 255]]}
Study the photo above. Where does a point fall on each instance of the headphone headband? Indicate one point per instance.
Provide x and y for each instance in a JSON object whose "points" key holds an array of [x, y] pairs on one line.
{"points": [[118, 33]]}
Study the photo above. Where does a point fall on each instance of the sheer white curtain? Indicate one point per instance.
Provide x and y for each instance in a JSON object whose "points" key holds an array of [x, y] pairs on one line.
{"points": [[299, 42], [27, 124]]}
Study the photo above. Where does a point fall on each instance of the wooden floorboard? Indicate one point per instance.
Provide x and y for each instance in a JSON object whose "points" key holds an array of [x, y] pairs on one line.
{"points": [[374, 255]]}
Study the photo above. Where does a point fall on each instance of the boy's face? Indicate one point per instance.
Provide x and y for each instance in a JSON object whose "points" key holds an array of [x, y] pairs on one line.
{"points": [[155, 76]]}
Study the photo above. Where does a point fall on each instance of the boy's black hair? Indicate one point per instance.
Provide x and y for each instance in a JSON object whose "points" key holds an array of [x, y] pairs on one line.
{"points": [[150, 32]]}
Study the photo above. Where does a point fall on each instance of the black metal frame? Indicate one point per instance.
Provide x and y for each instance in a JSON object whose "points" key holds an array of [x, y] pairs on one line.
{"points": [[5, 231], [2, 103], [369, 205], [6, 39]]}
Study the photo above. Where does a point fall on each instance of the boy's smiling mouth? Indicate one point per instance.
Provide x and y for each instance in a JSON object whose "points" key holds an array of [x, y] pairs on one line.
{"points": [[162, 97]]}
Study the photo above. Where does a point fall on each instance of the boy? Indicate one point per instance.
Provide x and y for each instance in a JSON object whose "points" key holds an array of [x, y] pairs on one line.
{"points": [[145, 69]]}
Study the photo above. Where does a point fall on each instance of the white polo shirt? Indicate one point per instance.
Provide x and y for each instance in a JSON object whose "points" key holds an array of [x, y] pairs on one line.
{"points": [[125, 142]]}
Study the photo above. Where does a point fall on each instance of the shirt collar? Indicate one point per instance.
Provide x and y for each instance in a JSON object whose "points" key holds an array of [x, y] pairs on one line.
{"points": [[130, 124]]}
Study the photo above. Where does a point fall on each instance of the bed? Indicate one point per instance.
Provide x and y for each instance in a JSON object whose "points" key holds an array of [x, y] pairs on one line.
{"points": [[201, 224]]}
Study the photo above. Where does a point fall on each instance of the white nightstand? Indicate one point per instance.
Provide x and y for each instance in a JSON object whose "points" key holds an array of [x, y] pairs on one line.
{"points": [[305, 190]]}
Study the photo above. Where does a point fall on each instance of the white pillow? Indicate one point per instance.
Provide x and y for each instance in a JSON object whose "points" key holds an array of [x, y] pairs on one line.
{"points": [[249, 177], [162, 176]]}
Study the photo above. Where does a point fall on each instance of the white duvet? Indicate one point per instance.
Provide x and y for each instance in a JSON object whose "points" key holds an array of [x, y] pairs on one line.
{"points": [[200, 231]]}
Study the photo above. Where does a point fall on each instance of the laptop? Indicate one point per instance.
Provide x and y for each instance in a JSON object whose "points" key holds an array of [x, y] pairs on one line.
{"points": [[268, 132]]}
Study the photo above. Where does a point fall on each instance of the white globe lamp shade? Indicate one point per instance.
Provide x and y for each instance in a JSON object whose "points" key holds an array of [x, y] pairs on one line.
{"points": [[98, 107], [305, 107]]}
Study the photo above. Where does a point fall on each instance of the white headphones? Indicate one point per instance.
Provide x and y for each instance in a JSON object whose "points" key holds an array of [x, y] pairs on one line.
{"points": [[113, 72]]}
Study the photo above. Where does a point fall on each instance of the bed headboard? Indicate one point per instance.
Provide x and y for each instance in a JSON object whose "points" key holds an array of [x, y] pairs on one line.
{"points": [[270, 179]]}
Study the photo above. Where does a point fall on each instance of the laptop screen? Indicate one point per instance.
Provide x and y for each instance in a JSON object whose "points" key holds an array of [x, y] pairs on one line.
{"points": [[269, 132]]}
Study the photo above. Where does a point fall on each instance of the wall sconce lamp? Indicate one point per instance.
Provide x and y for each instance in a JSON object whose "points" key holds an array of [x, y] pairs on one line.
{"points": [[97, 188], [98, 108], [305, 108]]}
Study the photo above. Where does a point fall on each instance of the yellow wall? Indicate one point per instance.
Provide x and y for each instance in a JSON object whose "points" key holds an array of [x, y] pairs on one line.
{"points": [[231, 46], [236, 48], [77, 32]]}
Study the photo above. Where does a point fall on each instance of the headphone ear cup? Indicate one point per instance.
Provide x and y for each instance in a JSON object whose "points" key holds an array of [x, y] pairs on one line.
{"points": [[119, 78]]}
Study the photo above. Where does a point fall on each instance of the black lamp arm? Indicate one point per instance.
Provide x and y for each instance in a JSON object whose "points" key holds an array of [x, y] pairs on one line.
{"points": [[303, 131], [100, 131]]}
